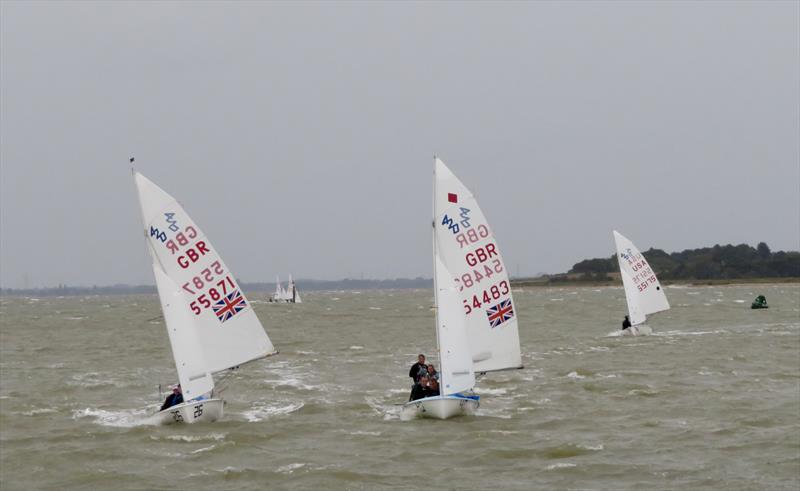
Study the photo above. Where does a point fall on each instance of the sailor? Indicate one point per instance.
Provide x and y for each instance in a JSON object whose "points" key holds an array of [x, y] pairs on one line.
{"points": [[418, 369], [420, 389], [433, 386], [173, 399], [626, 323], [431, 372]]}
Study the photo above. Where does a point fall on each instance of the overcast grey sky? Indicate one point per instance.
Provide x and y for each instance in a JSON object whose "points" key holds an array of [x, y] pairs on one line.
{"points": [[300, 136]]}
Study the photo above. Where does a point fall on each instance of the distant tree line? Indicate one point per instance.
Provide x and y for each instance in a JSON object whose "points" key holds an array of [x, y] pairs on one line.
{"points": [[718, 262]]}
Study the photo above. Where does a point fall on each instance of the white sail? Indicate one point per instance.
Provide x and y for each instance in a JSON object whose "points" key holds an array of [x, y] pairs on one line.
{"points": [[226, 327], [469, 251], [186, 349], [642, 289], [294, 293], [457, 374], [278, 295]]}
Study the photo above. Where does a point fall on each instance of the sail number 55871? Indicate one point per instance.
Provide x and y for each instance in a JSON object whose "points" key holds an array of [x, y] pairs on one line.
{"points": [[213, 293]]}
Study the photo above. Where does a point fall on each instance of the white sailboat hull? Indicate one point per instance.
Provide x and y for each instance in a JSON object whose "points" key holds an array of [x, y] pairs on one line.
{"points": [[205, 411], [443, 407]]}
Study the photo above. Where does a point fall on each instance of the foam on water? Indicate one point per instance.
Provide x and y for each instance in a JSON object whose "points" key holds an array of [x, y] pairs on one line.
{"points": [[118, 419], [491, 392], [260, 412], [36, 412], [290, 468], [213, 437]]}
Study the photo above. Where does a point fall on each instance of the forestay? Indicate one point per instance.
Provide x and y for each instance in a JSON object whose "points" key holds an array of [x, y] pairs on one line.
{"points": [[469, 251], [226, 327], [643, 292]]}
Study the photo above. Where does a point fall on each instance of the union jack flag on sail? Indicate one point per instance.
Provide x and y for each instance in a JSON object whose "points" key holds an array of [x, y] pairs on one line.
{"points": [[229, 305], [500, 313]]}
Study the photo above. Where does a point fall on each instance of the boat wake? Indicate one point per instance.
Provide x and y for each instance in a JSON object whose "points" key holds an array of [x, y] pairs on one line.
{"points": [[640, 330], [118, 419]]}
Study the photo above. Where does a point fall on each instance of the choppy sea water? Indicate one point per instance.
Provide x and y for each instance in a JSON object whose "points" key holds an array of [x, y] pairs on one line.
{"points": [[710, 401]]}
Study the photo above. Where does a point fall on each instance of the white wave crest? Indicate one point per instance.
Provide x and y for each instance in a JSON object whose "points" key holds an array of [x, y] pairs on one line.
{"points": [[214, 437], [260, 413], [118, 419], [289, 468]]}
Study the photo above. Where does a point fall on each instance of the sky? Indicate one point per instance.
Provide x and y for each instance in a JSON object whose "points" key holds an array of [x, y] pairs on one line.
{"points": [[300, 136]]}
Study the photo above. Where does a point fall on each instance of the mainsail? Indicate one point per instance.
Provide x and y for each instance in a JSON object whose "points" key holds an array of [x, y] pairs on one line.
{"points": [[278, 295], [292, 292], [202, 295], [642, 289], [469, 253]]}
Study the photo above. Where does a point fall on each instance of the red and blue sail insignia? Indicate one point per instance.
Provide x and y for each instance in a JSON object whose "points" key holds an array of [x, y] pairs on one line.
{"points": [[229, 305], [500, 313]]}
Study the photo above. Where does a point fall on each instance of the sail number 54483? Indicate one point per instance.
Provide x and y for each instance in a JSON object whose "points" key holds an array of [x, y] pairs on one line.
{"points": [[492, 293]]}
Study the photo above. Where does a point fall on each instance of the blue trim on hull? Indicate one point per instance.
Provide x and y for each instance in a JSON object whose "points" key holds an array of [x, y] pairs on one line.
{"points": [[453, 396]]}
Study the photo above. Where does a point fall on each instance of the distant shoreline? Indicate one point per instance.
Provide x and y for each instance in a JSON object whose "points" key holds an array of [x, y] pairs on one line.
{"points": [[417, 284]]}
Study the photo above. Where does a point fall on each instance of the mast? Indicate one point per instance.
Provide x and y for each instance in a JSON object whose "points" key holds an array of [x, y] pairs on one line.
{"points": [[435, 284]]}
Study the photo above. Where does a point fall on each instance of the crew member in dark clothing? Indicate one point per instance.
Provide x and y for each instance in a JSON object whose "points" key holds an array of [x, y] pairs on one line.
{"points": [[173, 399], [626, 323], [418, 369], [421, 389]]}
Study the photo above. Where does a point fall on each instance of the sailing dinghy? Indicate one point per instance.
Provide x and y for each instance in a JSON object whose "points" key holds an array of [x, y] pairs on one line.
{"points": [[285, 295], [210, 323], [292, 294], [643, 292], [476, 324], [280, 293]]}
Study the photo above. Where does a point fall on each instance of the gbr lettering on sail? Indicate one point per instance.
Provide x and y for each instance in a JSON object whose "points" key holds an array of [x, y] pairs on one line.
{"points": [[187, 257], [476, 263]]}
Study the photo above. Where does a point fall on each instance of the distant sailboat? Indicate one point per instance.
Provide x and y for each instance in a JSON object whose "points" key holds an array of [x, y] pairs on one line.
{"points": [[279, 295], [286, 295], [292, 293], [643, 292], [210, 323], [476, 325]]}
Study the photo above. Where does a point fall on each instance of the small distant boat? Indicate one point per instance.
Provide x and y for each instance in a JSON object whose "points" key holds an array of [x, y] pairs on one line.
{"points": [[211, 326], [286, 295], [759, 303], [280, 293], [293, 294], [476, 324], [643, 292]]}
